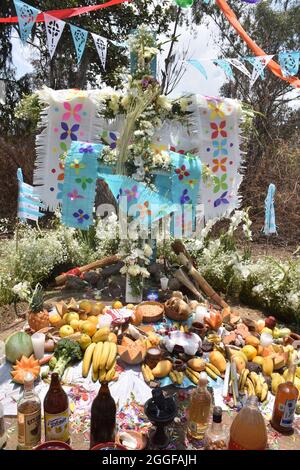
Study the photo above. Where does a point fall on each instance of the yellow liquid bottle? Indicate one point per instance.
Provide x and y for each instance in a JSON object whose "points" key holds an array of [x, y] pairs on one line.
{"points": [[199, 409]]}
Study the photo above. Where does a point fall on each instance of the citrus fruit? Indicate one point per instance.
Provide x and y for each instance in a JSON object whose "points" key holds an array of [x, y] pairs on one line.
{"points": [[89, 328], [117, 304], [250, 352], [85, 305], [84, 341], [55, 320], [97, 308], [75, 324], [65, 330], [93, 319], [71, 316]]}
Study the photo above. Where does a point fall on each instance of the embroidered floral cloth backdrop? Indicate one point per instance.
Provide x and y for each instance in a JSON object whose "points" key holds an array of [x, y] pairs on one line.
{"points": [[212, 133]]}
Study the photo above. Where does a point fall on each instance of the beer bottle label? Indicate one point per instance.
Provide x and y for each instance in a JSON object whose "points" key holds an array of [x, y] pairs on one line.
{"points": [[288, 413], [29, 429], [57, 426]]}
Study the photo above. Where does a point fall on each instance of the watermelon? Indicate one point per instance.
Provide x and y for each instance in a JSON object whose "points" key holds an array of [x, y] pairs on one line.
{"points": [[17, 345]]}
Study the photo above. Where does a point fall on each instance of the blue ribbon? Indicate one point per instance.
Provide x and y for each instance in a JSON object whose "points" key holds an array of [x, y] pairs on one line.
{"points": [[270, 222]]}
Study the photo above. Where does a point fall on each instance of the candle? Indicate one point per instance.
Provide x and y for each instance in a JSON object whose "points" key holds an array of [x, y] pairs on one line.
{"points": [[164, 281], [38, 343]]}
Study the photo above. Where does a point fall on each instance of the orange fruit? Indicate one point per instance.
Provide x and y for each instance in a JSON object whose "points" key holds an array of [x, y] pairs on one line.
{"points": [[250, 352], [65, 330], [89, 328], [93, 319], [97, 308], [86, 306], [117, 304], [55, 320]]}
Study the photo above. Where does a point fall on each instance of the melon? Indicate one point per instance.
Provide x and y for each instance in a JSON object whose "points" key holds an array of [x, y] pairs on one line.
{"points": [[133, 352], [17, 345], [22, 367]]}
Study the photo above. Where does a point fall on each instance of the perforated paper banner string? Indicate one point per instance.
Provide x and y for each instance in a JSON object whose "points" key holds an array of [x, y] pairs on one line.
{"points": [[101, 46], [196, 63], [26, 18], [79, 36], [270, 221], [54, 29], [80, 184], [69, 115], [259, 65], [28, 203], [238, 64], [289, 63], [225, 65]]}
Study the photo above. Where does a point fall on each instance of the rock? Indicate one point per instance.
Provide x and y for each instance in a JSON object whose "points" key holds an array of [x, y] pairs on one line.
{"points": [[91, 277], [111, 270], [242, 330], [75, 283], [229, 339], [251, 324], [174, 284]]}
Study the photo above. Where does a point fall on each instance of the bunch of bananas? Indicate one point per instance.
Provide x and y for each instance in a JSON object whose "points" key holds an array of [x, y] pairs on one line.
{"points": [[147, 373], [212, 371], [253, 384], [192, 375], [176, 377], [102, 357], [277, 379], [101, 335], [214, 338]]}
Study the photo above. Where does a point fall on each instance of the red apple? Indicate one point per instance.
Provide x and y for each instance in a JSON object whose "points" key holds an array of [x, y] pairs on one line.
{"points": [[270, 322]]}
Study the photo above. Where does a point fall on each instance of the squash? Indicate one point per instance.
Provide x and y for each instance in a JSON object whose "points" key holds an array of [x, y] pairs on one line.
{"points": [[22, 367], [132, 352], [214, 321], [17, 345], [137, 317]]}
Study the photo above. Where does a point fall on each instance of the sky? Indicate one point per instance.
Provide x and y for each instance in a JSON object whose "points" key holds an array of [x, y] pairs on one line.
{"points": [[201, 47]]}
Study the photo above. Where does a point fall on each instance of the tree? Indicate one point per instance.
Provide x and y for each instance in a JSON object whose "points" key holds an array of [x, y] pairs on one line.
{"points": [[275, 26]]}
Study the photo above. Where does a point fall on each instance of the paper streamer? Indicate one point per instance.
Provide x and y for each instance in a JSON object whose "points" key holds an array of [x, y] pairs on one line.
{"points": [[238, 64], [259, 65], [198, 66], [26, 18], [289, 63], [270, 222], [101, 46], [272, 65], [223, 63], [80, 184], [28, 203], [79, 37], [54, 29]]}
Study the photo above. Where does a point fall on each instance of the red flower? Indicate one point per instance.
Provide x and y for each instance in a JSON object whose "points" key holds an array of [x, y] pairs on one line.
{"points": [[218, 129], [181, 172]]}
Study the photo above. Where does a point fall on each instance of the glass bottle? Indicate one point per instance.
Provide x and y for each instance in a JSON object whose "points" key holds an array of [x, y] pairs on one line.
{"points": [[3, 435], [199, 409], [29, 416], [56, 412], [285, 403], [103, 417], [217, 436], [248, 429]]}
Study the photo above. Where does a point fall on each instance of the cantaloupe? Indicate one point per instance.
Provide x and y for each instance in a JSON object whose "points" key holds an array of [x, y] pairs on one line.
{"points": [[132, 352], [22, 367]]}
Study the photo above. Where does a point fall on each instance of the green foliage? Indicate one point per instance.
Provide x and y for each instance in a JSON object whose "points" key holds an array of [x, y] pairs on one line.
{"points": [[29, 110]]}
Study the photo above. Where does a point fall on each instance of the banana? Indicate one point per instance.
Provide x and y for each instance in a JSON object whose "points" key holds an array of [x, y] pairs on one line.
{"points": [[95, 376], [181, 328], [210, 372], [110, 374], [97, 355], [101, 335], [264, 392], [191, 376], [147, 373], [213, 338], [254, 378], [186, 329], [249, 387], [180, 377], [112, 356], [104, 355], [86, 363], [102, 375], [277, 379], [243, 378], [173, 377], [214, 369]]}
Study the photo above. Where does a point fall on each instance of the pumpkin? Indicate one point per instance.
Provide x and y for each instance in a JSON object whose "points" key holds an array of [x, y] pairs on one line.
{"points": [[137, 317], [22, 367], [17, 345], [132, 352], [214, 321]]}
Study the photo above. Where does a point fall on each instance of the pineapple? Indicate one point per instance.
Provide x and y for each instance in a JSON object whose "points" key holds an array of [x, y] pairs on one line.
{"points": [[38, 317]]}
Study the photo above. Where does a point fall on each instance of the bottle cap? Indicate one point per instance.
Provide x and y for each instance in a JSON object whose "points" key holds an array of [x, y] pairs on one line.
{"points": [[28, 380], [203, 379], [217, 414]]}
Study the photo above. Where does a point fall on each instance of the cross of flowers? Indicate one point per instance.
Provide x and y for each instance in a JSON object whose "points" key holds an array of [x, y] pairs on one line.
{"points": [[182, 172], [220, 183], [219, 164], [77, 166], [218, 129], [84, 181]]}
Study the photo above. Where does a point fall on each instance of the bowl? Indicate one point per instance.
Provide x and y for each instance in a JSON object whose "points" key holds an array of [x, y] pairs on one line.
{"points": [[108, 446], [53, 445], [141, 439]]}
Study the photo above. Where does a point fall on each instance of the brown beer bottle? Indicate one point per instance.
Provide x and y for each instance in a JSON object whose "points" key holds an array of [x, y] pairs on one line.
{"points": [[285, 403], [103, 417], [56, 412]]}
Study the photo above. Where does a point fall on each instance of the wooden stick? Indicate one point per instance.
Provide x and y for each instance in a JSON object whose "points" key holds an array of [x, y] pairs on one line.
{"points": [[183, 278], [97, 264], [207, 289]]}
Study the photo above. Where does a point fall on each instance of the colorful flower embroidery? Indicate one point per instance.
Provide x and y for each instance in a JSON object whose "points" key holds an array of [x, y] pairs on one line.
{"points": [[61, 176], [216, 110], [218, 129], [219, 165], [80, 216], [84, 181], [173, 149], [75, 195], [221, 200], [220, 183], [77, 166], [192, 183], [144, 209], [69, 132], [88, 149], [184, 197], [219, 147], [70, 112], [182, 172], [132, 193], [109, 139]]}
